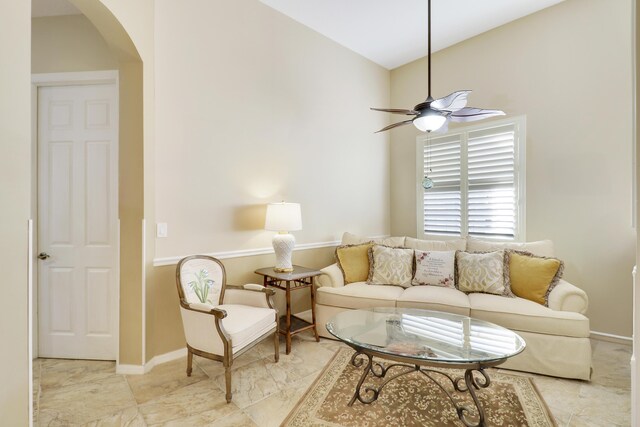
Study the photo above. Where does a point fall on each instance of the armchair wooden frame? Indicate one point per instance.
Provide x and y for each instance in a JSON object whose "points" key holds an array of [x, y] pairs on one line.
{"points": [[219, 314]]}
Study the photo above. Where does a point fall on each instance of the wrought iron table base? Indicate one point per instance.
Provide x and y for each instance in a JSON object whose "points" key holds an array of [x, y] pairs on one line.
{"points": [[467, 383]]}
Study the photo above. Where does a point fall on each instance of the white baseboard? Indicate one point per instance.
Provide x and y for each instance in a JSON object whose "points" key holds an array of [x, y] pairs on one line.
{"points": [[618, 339], [156, 360], [129, 369]]}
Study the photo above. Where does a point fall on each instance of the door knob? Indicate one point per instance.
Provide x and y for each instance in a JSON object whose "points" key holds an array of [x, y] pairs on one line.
{"points": [[43, 255]]}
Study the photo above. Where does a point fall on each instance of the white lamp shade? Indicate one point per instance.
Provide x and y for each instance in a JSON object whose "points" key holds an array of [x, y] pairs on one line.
{"points": [[283, 217], [429, 121]]}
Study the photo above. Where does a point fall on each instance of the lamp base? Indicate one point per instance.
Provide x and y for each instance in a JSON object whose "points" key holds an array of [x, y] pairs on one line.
{"points": [[283, 244]]}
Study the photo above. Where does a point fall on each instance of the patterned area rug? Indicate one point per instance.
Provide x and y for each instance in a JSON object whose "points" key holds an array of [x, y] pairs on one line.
{"points": [[414, 400]]}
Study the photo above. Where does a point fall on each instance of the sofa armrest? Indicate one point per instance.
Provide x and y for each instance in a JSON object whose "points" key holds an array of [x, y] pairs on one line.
{"points": [[331, 277], [567, 297]]}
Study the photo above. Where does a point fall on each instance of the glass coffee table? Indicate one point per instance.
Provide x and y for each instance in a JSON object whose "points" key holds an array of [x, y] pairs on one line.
{"points": [[420, 340]]}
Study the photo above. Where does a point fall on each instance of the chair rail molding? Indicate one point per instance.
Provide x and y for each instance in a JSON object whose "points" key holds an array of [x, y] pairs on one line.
{"points": [[159, 262]]}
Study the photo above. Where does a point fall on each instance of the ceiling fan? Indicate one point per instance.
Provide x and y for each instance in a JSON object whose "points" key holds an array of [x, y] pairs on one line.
{"points": [[434, 115]]}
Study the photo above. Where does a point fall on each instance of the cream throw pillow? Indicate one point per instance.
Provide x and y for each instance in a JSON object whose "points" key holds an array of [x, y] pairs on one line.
{"points": [[481, 272], [390, 266], [435, 268]]}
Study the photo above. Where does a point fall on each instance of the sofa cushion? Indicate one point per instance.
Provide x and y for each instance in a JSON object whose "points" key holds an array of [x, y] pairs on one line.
{"points": [[523, 315], [353, 260], [390, 266], [436, 268], [436, 245], [540, 248], [532, 277], [352, 239], [359, 295], [435, 298]]}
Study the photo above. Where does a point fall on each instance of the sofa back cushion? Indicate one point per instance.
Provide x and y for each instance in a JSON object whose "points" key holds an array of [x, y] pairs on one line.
{"points": [[436, 245], [353, 239], [390, 266], [539, 248], [353, 260]]}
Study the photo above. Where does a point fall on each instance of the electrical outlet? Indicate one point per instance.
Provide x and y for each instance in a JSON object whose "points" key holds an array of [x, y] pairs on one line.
{"points": [[161, 229]]}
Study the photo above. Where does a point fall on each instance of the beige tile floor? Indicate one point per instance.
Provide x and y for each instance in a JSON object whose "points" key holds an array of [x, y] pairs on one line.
{"points": [[76, 392]]}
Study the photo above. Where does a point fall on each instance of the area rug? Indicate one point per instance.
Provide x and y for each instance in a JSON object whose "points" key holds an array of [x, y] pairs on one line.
{"points": [[413, 400]]}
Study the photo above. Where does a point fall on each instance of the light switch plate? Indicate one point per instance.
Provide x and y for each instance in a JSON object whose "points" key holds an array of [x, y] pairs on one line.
{"points": [[161, 229]]}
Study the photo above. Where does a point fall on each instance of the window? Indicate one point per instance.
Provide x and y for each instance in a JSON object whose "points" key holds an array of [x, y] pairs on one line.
{"points": [[478, 181]]}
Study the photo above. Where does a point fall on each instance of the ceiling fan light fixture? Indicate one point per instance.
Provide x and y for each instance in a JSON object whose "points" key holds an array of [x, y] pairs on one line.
{"points": [[429, 121]]}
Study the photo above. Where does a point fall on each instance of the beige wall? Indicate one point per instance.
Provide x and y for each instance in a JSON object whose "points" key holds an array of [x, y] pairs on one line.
{"points": [[15, 162], [568, 69], [68, 43], [253, 107]]}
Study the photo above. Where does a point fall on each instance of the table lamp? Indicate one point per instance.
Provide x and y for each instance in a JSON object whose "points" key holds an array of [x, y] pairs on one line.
{"points": [[283, 217]]}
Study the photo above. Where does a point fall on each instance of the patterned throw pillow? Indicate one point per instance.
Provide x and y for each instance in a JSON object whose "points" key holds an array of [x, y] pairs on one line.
{"points": [[390, 266], [435, 268], [353, 260], [482, 272], [532, 277]]}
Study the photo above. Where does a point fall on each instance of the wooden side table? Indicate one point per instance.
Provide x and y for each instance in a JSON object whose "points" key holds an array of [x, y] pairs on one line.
{"points": [[299, 278]]}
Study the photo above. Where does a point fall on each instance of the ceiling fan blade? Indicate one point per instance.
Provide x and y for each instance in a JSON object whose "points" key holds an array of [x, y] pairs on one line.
{"points": [[397, 111], [470, 114], [395, 125], [452, 102]]}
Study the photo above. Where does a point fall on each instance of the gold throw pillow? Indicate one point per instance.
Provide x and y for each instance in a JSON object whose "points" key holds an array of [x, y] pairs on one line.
{"points": [[533, 277], [353, 260]]}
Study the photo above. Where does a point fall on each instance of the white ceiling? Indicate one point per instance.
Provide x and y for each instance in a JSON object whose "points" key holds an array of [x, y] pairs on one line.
{"points": [[40, 8], [389, 33], [393, 33]]}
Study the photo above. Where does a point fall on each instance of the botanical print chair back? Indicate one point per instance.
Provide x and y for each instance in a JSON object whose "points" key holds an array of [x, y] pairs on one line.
{"points": [[201, 281]]}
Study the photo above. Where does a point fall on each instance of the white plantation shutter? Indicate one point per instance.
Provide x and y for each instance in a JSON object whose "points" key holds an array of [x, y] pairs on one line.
{"points": [[491, 182], [443, 203], [478, 185]]}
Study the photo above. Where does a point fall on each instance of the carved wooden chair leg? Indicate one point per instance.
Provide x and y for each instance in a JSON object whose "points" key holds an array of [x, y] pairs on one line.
{"points": [[189, 362], [276, 345], [227, 379]]}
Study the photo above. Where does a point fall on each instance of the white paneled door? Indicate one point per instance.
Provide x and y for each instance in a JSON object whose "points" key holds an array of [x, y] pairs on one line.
{"points": [[78, 221]]}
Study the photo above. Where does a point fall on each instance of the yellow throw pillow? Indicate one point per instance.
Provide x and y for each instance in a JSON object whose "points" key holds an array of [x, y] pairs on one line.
{"points": [[353, 260], [533, 277]]}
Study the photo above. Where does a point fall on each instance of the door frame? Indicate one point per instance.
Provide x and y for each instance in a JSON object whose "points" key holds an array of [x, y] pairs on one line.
{"points": [[81, 78]]}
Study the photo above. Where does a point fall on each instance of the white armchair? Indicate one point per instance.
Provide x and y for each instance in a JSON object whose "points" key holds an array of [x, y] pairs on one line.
{"points": [[222, 321]]}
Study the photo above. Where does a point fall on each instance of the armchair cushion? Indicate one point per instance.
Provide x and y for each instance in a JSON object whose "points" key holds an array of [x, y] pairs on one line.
{"points": [[245, 324]]}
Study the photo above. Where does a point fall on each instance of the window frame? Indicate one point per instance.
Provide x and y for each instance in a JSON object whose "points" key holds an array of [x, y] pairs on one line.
{"points": [[519, 172]]}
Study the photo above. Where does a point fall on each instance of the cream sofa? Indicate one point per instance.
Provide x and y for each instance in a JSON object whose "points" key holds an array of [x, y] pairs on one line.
{"points": [[557, 336]]}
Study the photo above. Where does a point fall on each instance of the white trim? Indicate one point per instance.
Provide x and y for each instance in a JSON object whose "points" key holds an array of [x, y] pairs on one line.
{"points": [[155, 361], [144, 291], [602, 336], [117, 320], [158, 262], [75, 78], [30, 256]]}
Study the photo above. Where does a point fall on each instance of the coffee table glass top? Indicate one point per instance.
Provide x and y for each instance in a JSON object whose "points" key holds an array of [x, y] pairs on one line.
{"points": [[426, 335]]}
